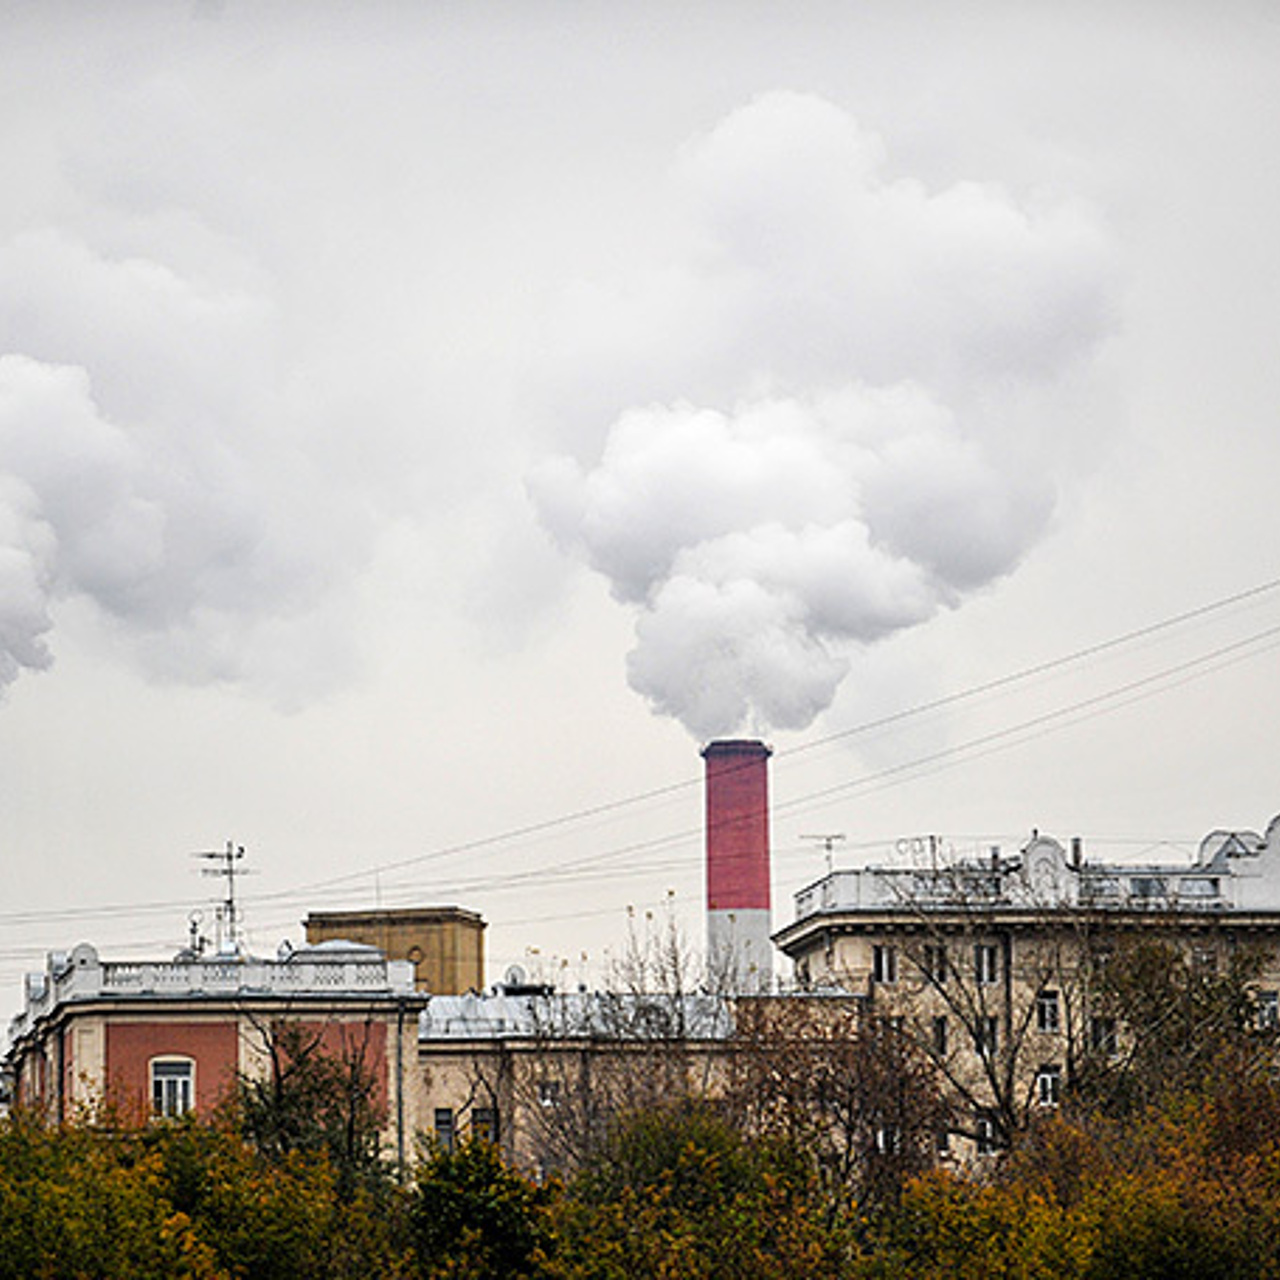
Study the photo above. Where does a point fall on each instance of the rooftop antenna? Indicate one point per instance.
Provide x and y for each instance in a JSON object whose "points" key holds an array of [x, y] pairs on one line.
{"points": [[195, 942], [828, 842], [228, 914]]}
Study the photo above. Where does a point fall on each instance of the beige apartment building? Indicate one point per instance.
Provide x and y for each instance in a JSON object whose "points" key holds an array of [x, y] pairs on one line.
{"points": [[544, 1073], [993, 965]]}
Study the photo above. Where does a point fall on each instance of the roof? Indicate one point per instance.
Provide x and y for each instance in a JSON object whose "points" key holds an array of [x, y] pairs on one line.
{"points": [[500, 1014], [334, 972], [1233, 875]]}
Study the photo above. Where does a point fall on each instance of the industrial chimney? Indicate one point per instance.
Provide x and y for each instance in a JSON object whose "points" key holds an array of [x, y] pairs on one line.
{"points": [[739, 952]]}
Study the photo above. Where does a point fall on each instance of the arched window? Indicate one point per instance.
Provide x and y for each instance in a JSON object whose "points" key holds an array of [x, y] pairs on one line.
{"points": [[173, 1086]]}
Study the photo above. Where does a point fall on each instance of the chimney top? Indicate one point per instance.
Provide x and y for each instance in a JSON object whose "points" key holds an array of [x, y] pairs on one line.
{"points": [[736, 747]]}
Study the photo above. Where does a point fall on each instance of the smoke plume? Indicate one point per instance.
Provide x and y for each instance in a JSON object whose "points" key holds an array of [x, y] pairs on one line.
{"points": [[848, 415]]}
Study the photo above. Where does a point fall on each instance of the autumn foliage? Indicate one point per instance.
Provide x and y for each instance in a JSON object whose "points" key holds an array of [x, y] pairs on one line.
{"points": [[1190, 1187], [809, 1162]]}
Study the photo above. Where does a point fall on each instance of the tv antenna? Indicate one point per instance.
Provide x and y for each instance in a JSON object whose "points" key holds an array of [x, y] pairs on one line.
{"points": [[195, 942], [227, 917], [828, 842]]}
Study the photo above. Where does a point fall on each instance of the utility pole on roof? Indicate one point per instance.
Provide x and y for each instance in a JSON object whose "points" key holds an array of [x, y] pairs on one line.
{"points": [[828, 842]]}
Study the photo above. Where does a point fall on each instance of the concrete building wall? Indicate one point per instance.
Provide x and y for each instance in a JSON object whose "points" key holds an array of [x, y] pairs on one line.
{"points": [[444, 944]]}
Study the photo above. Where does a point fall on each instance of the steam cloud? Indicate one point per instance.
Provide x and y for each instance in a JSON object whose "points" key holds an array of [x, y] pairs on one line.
{"points": [[847, 379]]}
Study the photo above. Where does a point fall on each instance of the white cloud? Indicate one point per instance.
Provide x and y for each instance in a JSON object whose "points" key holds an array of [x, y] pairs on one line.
{"points": [[27, 552], [143, 437]]}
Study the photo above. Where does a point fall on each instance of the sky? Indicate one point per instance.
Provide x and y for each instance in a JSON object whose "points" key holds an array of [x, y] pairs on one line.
{"points": [[422, 427]]}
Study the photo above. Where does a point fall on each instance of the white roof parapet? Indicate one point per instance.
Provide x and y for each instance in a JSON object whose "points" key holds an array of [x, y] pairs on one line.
{"points": [[318, 972], [1234, 871], [576, 1015]]}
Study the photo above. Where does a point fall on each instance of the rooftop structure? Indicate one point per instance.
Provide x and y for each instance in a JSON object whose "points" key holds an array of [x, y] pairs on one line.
{"points": [[1235, 872], [584, 1015], [327, 971], [445, 945]]}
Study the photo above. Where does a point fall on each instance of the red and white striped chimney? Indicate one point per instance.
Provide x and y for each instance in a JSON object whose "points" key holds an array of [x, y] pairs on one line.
{"points": [[739, 952]]}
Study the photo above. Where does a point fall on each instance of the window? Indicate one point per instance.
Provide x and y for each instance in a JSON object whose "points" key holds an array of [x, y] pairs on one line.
{"points": [[986, 964], [484, 1124], [942, 1142], [888, 1139], [884, 964], [1048, 1012], [1198, 887], [984, 1133], [1268, 1010], [172, 1086], [935, 964], [1102, 1036], [444, 1127], [1147, 888], [894, 1025], [1049, 1086], [940, 1037], [986, 1035], [548, 1093]]}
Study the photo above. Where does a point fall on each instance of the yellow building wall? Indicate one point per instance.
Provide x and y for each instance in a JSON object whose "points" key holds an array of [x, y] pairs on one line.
{"points": [[444, 944]]}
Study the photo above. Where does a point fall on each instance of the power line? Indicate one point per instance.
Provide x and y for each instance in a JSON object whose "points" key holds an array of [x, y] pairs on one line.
{"points": [[974, 691], [1150, 685], [566, 872], [1041, 668], [1010, 735]]}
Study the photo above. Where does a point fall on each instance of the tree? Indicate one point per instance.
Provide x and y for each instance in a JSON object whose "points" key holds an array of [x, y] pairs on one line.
{"points": [[681, 1191], [318, 1095], [585, 1059], [854, 1093], [178, 1198], [1186, 1017], [473, 1216]]}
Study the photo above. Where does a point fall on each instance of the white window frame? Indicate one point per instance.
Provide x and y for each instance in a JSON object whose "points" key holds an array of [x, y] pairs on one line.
{"points": [[1268, 1010], [986, 964], [940, 1035], [888, 1139], [484, 1123], [446, 1128], [173, 1085], [1048, 1012], [884, 964], [986, 1039], [984, 1128], [1049, 1085]]}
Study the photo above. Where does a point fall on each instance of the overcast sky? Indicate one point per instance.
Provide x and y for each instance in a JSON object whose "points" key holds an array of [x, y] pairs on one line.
{"points": [[423, 426]]}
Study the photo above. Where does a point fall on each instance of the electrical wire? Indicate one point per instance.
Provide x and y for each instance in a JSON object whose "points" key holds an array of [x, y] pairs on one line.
{"points": [[975, 691], [591, 866]]}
